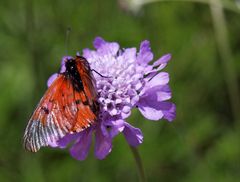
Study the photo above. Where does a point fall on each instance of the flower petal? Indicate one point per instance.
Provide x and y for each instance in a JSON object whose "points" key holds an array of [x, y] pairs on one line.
{"points": [[164, 59], [158, 93], [161, 78], [63, 142], [89, 54], [53, 144], [51, 79], [98, 42], [81, 148], [117, 127], [169, 111], [103, 144], [150, 112], [125, 115], [145, 55], [105, 48], [111, 126], [163, 92], [133, 135], [129, 55], [157, 83], [153, 109]]}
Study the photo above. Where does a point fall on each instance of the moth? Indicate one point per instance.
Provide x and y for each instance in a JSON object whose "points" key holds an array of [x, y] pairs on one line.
{"points": [[68, 106]]}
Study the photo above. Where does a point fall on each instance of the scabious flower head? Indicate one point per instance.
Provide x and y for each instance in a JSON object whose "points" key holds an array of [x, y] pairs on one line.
{"points": [[128, 82]]}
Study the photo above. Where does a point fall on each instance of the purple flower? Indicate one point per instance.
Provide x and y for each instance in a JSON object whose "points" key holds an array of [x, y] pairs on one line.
{"points": [[129, 82]]}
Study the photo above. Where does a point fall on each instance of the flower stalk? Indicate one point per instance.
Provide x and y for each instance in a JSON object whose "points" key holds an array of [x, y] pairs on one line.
{"points": [[138, 160], [223, 45]]}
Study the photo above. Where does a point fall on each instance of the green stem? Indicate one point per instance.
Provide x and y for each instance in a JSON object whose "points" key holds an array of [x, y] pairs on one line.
{"points": [[228, 66], [138, 161]]}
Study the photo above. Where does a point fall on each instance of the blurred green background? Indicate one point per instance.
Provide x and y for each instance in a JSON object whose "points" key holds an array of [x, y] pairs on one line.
{"points": [[202, 144]]}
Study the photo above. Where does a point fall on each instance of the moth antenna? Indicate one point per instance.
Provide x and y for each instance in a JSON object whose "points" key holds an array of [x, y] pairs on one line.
{"points": [[100, 74], [67, 39]]}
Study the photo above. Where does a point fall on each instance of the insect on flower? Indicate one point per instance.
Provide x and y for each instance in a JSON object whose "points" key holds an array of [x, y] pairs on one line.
{"points": [[79, 97], [69, 106]]}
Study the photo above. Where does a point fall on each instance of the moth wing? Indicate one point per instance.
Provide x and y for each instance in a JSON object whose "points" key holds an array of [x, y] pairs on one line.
{"points": [[62, 110]]}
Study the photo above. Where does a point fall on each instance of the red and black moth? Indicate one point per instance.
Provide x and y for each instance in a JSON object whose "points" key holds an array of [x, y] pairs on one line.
{"points": [[68, 106]]}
